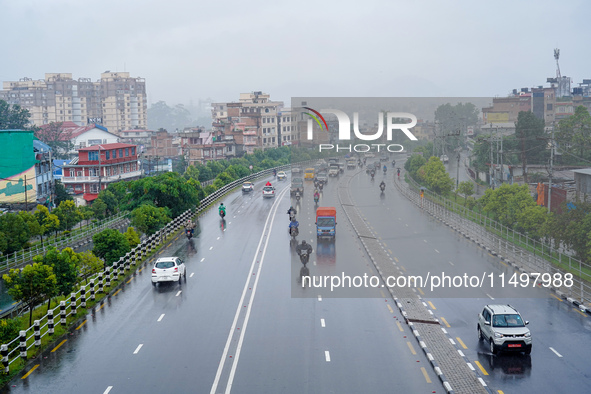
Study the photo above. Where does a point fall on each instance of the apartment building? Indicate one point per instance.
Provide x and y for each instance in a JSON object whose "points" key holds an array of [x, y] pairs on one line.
{"points": [[253, 121], [115, 101], [97, 166]]}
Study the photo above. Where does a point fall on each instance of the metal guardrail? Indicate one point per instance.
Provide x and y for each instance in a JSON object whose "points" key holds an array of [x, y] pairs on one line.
{"points": [[31, 337], [527, 254], [20, 257]]}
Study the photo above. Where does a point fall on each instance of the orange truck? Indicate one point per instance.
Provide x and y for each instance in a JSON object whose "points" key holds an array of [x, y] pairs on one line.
{"points": [[326, 221]]}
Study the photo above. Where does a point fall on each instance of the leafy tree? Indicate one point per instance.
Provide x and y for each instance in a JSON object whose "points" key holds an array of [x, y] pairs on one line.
{"points": [[532, 220], [467, 189], [16, 231], [49, 222], [108, 197], [9, 329], [99, 209], [64, 265], [426, 150], [437, 178], [34, 228], [89, 264], [507, 202], [453, 121], [60, 193], [149, 219], [572, 229], [414, 163], [132, 237], [574, 133], [3, 243], [86, 213], [68, 214], [168, 190], [58, 138], [528, 129], [31, 285], [13, 117], [110, 245], [192, 173]]}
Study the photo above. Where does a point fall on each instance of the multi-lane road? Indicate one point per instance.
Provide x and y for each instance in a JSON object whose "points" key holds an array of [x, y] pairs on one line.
{"points": [[242, 322]]}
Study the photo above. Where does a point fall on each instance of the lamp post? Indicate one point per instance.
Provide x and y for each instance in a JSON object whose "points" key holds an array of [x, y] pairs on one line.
{"points": [[100, 172]]}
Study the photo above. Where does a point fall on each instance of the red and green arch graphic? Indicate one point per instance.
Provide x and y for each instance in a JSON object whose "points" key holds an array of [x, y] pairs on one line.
{"points": [[316, 118]]}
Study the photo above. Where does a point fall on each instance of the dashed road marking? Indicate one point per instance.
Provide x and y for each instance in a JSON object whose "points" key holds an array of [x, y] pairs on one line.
{"points": [[421, 291], [445, 322], [390, 308], [436, 250], [400, 326], [60, 344], [161, 317], [31, 370], [412, 349], [192, 273], [424, 371], [80, 326], [450, 262], [202, 260], [137, 349], [107, 390], [431, 304], [322, 323], [327, 356], [461, 343], [211, 247], [555, 352], [489, 296], [558, 298], [179, 293], [481, 368], [319, 297]]}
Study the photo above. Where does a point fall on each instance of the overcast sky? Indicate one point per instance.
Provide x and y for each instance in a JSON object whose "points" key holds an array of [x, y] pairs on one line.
{"points": [[192, 49]]}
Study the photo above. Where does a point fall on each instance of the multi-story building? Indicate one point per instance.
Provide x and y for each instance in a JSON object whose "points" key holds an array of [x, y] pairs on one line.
{"points": [[506, 109], [139, 137], [97, 166], [116, 101], [253, 121], [286, 126], [79, 136], [25, 170]]}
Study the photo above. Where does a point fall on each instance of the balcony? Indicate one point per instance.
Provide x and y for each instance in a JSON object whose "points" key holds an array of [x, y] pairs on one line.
{"points": [[104, 179]]}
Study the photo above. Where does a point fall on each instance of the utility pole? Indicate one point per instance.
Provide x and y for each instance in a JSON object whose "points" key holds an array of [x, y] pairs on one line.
{"points": [[100, 172], [492, 172], [26, 196], [458, 173], [502, 168], [551, 170]]}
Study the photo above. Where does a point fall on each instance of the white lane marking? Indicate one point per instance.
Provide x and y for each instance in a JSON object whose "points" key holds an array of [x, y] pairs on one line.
{"points": [[235, 215], [214, 387], [229, 222], [218, 239], [436, 250], [319, 297], [322, 323], [137, 349], [192, 273], [327, 356], [450, 262], [489, 296], [202, 259], [555, 352], [211, 247], [107, 390], [161, 317], [425, 241], [406, 224], [179, 293]]}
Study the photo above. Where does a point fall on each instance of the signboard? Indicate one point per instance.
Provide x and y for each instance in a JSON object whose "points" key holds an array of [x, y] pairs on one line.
{"points": [[169, 165], [95, 120], [470, 130]]}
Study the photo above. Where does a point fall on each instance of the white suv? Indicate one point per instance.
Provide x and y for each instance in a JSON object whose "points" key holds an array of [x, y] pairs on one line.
{"points": [[504, 329], [168, 269]]}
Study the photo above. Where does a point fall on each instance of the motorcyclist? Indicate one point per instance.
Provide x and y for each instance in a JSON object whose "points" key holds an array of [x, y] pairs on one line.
{"points": [[291, 212], [190, 226], [372, 173], [293, 223], [304, 246], [399, 172], [385, 168], [274, 172], [316, 194], [382, 185], [221, 209], [393, 163]]}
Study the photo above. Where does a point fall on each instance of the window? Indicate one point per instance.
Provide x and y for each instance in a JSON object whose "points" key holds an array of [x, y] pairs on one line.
{"points": [[93, 156], [126, 152], [120, 152], [108, 155], [264, 140], [114, 153], [548, 107], [133, 151]]}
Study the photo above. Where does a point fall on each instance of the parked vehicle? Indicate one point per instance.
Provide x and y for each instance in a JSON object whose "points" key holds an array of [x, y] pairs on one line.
{"points": [[168, 269], [326, 221]]}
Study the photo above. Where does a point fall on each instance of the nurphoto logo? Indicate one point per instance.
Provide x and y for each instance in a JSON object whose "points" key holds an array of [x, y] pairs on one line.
{"points": [[393, 120]]}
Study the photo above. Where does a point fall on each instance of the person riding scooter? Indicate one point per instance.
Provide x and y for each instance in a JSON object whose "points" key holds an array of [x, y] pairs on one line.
{"points": [[383, 186], [316, 195], [304, 250], [293, 228], [222, 210]]}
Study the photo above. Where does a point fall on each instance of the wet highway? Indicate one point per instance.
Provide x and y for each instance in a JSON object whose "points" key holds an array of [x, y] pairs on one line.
{"points": [[241, 320]]}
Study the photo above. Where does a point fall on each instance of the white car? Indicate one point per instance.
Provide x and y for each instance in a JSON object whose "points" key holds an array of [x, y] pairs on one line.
{"points": [[268, 191], [247, 186], [281, 175], [168, 269], [444, 159], [502, 329]]}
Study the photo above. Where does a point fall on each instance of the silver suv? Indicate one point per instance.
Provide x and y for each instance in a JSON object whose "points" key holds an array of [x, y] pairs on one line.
{"points": [[504, 329]]}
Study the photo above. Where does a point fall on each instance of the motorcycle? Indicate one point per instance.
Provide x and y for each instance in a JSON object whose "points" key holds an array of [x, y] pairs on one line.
{"points": [[393, 163], [316, 198], [294, 228], [320, 186], [382, 187], [298, 196], [304, 257], [189, 233], [372, 175], [222, 214], [385, 170]]}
